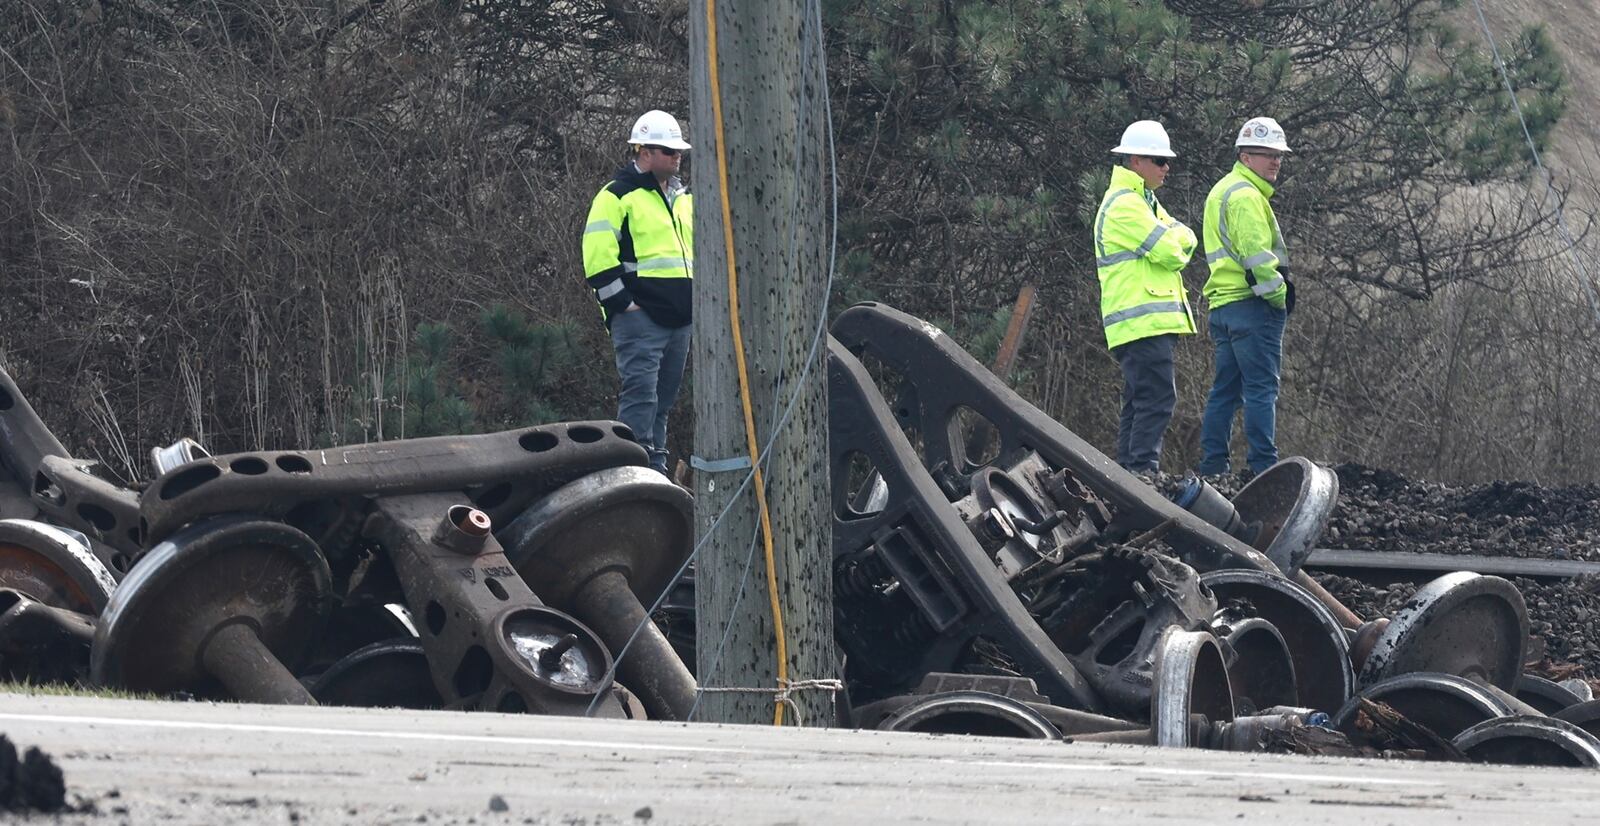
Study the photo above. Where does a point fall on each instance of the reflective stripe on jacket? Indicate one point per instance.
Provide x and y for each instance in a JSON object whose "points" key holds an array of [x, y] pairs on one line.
{"points": [[638, 247], [1140, 251], [1244, 247]]}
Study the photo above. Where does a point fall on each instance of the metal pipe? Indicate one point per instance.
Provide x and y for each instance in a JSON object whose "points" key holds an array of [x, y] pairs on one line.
{"points": [[1391, 566], [1134, 737], [649, 668], [1071, 722], [236, 656], [32, 621], [1346, 617]]}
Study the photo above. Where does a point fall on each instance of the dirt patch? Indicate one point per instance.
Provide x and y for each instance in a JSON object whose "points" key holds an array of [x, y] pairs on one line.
{"points": [[32, 783]]}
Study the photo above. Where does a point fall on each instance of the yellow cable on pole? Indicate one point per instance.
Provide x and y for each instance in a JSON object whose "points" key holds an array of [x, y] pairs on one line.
{"points": [[738, 355]]}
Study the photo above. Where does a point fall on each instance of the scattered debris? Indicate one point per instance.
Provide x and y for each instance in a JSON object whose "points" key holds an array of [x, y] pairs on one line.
{"points": [[1009, 580], [1380, 723]]}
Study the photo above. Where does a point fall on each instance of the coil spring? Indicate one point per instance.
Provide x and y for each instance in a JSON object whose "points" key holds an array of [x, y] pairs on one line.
{"points": [[912, 630], [860, 577]]}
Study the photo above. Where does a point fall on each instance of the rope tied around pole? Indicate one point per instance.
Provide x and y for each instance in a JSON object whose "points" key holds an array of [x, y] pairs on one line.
{"points": [[782, 694]]}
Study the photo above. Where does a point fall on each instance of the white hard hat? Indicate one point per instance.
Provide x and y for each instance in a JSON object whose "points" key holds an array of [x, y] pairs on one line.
{"points": [[657, 128], [1262, 132], [1145, 137]]}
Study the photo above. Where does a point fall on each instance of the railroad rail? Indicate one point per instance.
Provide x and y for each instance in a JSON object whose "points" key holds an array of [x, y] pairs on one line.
{"points": [[1406, 565]]}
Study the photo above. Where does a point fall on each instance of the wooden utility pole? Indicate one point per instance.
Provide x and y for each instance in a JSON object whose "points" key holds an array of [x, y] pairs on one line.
{"points": [[758, 72]]}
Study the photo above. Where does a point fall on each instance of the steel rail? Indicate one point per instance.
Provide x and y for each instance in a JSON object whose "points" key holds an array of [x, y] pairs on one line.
{"points": [[1333, 560]]}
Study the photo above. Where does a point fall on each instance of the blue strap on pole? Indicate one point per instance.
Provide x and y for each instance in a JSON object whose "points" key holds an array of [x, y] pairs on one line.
{"points": [[719, 465]]}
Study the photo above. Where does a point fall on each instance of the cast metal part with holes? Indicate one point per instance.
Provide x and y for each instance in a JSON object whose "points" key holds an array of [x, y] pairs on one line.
{"points": [[1111, 627], [30, 458], [499, 472], [74, 492], [913, 588], [940, 379], [491, 643], [24, 439], [603, 547]]}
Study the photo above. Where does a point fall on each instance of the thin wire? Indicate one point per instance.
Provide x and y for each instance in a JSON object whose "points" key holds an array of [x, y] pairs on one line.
{"points": [[722, 644], [1586, 276], [794, 398]]}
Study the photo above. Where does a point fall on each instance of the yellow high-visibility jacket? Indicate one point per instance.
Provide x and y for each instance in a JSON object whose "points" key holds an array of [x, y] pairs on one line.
{"points": [[1244, 247], [638, 247], [1140, 251]]}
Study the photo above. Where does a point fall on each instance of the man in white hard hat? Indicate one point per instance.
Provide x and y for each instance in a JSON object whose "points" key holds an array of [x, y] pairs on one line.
{"points": [[1140, 252], [1250, 298], [638, 255]]}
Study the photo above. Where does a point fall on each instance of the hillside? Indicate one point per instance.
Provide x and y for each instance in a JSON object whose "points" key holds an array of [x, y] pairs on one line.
{"points": [[1575, 28]]}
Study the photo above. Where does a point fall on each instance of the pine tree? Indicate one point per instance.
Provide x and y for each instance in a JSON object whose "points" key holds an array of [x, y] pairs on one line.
{"points": [[429, 405], [978, 134], [528, 359]]}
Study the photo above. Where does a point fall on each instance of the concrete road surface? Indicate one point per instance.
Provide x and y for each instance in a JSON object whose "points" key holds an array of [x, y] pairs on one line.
{"points": [[155, 762]]}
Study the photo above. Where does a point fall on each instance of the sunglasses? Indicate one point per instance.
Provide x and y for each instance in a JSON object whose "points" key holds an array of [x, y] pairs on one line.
{"points": [[1271, 156], [665, 150], [1161, 162]]}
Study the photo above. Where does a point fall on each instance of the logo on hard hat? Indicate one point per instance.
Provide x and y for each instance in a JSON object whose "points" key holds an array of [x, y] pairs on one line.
{"points": [[1261, 131]]}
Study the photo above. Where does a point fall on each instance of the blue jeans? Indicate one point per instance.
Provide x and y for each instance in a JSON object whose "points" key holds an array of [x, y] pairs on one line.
{"points": [[1149, 393], [650, 361], [1249, 338]]}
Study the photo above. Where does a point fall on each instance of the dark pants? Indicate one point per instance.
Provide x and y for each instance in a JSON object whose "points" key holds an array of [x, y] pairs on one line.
{"points": [[650, 361], [1249, 339], [1149, 393]]}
